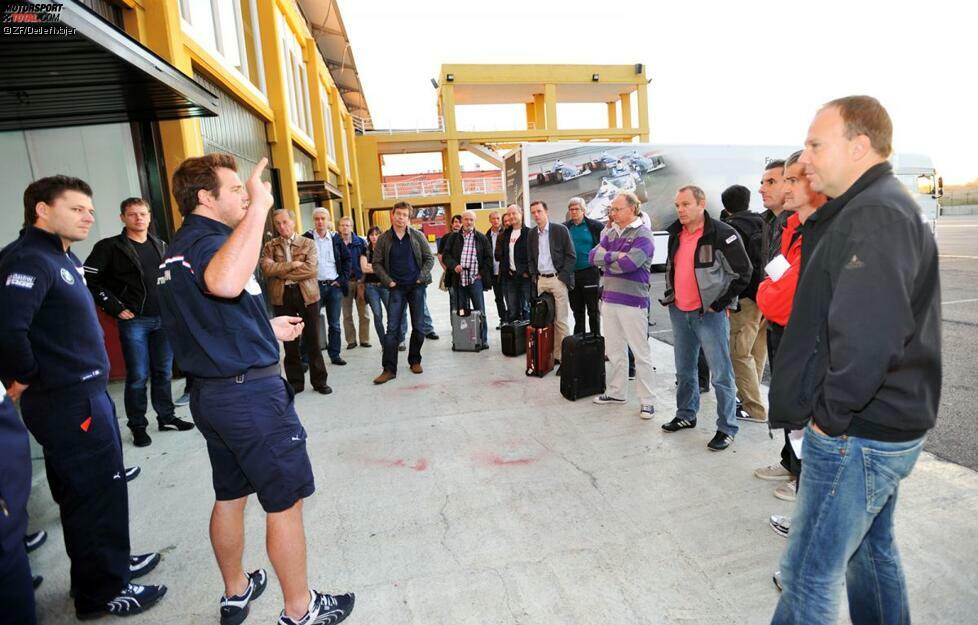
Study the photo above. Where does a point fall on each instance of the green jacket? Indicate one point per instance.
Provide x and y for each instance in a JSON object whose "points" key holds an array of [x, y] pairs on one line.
{"points": [[422, 254]]}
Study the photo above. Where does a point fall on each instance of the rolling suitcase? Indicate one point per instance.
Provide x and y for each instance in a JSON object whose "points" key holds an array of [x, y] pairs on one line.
{"points": [[582, 371], [539, 350], [542, 310], [512, 338], [467, 330]]}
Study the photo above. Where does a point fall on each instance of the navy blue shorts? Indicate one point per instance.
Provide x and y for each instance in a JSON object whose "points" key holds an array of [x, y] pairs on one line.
{"points": [[255, 441]]}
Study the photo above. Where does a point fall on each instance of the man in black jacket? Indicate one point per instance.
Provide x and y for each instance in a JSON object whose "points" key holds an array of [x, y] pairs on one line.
{"points": [[552, 261], [514, 264], [121, 273], [494, 234], [747, 344], [860, 364], [706, 269], [468, 268]]}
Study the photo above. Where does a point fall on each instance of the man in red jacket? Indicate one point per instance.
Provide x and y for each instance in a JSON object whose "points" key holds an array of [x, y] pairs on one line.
{"points": [[776, 292]]}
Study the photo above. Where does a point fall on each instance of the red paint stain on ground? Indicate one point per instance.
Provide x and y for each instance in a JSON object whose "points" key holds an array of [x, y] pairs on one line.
{"points": [[503, 382], [495, 460], [417, 387], [420, 465]]}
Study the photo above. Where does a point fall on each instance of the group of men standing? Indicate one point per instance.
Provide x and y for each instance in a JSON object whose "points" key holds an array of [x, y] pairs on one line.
{"points": [[850, 294]]}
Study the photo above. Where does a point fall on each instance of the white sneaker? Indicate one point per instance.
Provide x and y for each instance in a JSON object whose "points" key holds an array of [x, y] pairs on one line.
{"points": [[780, 524], [323, 610], [647, 411], [608, 399]]}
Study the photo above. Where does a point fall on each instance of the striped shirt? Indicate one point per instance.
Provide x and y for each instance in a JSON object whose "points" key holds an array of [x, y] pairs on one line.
{"points": [[469, 260], [625, 257]]}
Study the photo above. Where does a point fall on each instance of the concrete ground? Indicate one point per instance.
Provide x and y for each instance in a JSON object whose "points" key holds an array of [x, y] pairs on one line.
{"points": [[473, 494]]}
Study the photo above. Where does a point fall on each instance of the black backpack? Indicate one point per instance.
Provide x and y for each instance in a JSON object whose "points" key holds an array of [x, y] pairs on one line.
{"points": [[542, 311], [753, 231]]}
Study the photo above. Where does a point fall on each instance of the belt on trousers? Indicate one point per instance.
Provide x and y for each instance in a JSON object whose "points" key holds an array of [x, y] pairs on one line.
{"points": [[548, 275], [256, 373], [327, 282]]}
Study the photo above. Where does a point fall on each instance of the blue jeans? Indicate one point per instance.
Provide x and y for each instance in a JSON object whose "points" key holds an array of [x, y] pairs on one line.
{"points": [[427, 325], [472, 297], [519, 292], [332, 298], [403, 298], [378, 299], [711, 332], [842, 528], [149, 358]]}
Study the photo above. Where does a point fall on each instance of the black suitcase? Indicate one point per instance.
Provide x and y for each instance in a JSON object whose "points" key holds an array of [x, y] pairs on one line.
{"points": [[542, 310], [512, 338], [582, 371]]}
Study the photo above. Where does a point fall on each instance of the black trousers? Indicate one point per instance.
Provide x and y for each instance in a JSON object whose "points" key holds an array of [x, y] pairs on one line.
{"points": [[499, 294], [789, 460], [16, 588], [78, 430], [584, 298], [293, 304]]}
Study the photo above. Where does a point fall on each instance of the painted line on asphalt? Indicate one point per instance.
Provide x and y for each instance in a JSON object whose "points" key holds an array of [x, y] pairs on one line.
{"points": [[660, 331], [957, 225], [959, 301], [957, 256]]}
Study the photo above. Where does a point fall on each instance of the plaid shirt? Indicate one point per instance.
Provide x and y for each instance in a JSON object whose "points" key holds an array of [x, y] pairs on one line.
{"points": [[469, 260]]}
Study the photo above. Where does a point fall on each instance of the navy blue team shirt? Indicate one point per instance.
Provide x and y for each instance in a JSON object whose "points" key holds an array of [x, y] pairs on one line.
{"points": [[50, 335], [212, 337]]}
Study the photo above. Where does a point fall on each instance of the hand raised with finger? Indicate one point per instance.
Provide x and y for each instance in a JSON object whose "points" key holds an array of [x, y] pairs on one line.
{"points": [[259, 193]]}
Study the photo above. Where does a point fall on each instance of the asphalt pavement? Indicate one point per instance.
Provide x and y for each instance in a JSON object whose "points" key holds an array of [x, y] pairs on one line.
{"points": [[955, 438]]}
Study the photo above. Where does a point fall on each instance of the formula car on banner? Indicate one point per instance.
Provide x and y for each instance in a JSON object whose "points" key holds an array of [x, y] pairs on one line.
{"points": [[620, 179], [560, 172], [645, 164], [605, 161]]}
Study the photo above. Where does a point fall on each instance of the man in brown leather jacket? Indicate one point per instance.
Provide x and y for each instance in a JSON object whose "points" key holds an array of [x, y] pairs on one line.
{"points": [[289, 263]]}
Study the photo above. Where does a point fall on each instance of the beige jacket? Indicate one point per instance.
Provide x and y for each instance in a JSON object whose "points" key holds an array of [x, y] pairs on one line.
{"points": [[278, 269]]}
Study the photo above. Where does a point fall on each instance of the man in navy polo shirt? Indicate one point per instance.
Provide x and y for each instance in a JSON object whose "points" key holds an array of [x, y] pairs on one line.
{"points": [[215, 316], [59, 371]]}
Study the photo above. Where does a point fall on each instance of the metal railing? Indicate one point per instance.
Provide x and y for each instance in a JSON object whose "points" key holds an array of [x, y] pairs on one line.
{"points": [[419, 127], [475, 186], [415, 188]]}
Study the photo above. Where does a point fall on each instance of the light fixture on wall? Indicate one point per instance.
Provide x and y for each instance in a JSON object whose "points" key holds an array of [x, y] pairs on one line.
{"points": [[595, 77], [638, 68], [450, 77], [434, 83]]}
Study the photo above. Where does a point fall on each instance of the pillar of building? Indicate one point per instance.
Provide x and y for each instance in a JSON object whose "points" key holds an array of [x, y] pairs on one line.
{"points": [[612, 114], [643, 112], [626, 110], [550, 101]]}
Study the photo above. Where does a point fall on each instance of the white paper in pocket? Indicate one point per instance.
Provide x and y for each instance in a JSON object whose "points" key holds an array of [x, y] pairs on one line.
{"points": [[777, 267], [252, 286]]}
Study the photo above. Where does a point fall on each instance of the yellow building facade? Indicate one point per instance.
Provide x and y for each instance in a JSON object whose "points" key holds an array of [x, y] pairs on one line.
{"points": [[264, 57]]}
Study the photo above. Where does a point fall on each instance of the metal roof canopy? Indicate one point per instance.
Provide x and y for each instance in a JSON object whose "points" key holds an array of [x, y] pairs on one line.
{"points": [[595, 92], [518, 83], [329, 32], [317, 191], [96, 75]]}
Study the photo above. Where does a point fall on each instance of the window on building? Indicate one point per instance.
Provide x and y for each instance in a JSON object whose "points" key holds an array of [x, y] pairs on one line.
{"points": [[228, 28], [296, 78], [346, 148], [328, 123]]}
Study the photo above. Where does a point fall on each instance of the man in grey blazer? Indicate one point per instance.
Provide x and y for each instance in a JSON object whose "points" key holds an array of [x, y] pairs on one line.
{"points": [[552, 258]]}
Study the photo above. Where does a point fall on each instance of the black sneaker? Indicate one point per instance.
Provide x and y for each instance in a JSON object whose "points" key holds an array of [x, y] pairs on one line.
{"points": [[140, 438], [132, 473], [433, 337], [679, 423], [325, 389], [142, 564], [37, 580], [323, 610], [720, 441], [35, 540], [235, 609], [133, 599], [339, 362], [176, 423]]}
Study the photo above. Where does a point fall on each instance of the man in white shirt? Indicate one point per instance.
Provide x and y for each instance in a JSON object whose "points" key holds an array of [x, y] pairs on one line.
{"points": [[332, 275]]}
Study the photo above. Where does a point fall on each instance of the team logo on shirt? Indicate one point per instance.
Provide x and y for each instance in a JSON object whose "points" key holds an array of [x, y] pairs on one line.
{"points": [[20, 280], [66, 276]]}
